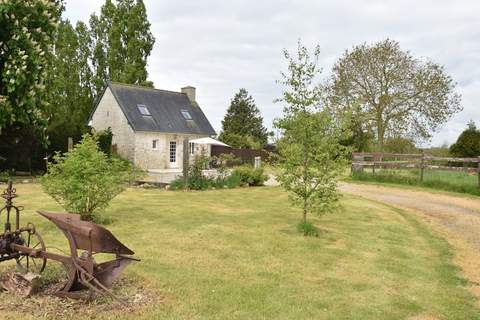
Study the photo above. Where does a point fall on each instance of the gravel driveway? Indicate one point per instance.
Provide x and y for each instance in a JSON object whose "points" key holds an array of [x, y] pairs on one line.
{"points": [[459, 215]]}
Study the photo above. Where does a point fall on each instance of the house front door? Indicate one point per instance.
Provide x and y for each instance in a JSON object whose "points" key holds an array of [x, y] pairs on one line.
{"points": [[172, 155]]}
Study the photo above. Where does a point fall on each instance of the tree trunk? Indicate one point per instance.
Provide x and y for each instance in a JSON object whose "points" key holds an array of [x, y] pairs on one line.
{"points": [[380, 137], [305, 217]]}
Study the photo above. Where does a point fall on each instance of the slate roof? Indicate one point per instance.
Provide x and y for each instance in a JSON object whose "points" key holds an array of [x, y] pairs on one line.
{"points": [[165, 108]]}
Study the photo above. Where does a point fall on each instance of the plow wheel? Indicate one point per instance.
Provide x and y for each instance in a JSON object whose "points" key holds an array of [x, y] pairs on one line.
{"points": [[34, 241]]}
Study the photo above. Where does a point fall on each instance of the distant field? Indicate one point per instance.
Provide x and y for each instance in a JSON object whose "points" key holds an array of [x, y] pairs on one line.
{"points": [[235, 254], [437, 179]]}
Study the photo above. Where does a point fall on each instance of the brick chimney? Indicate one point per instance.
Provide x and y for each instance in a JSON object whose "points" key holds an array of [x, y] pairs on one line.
{"points": [[190, 92]]}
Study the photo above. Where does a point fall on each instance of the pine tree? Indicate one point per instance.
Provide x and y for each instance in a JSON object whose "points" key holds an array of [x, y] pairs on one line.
{"points": [[468, 143], [242, 126]]}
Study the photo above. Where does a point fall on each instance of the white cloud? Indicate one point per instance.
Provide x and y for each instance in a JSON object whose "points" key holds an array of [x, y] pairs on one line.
{"points": [[221, 46]]}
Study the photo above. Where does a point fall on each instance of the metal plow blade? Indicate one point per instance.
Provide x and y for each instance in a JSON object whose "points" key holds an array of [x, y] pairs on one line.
{"points": [[83, 271]]}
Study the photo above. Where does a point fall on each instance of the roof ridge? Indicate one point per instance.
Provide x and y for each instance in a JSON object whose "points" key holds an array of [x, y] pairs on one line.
{"points": [[136, 86]]}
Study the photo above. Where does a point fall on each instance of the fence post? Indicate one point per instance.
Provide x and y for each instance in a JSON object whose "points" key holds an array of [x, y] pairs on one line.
{"points": [[422, 166], [478, 171], [70, 144], [186, 162], [257, 162]]}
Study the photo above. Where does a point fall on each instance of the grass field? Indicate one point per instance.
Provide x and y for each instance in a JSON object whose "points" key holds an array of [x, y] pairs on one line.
{"points": [[436, 179], [235, 254]]}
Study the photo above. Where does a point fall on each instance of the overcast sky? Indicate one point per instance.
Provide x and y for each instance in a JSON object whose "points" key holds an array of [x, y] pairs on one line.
{"points": [[220, 46]]}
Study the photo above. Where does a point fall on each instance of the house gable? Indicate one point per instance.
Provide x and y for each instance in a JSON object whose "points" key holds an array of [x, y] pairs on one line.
{"points": [[108, 114]]}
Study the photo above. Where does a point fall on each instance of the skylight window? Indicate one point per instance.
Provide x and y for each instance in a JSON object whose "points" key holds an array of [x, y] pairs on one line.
{"points": [[143, 110], [186, 115]]}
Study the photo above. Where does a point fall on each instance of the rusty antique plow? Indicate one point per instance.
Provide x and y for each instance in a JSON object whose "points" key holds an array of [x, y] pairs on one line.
{"points": [[26, 246]]}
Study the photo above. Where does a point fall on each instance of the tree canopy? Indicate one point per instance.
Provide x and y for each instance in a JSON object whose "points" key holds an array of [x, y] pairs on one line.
{"points": [[26, 37], [468, 143], [397, 94], [242, 126], [121, 42]]}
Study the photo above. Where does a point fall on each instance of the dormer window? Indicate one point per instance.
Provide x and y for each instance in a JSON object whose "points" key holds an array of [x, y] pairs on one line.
{"points": [[186, 115], [143, 110]]}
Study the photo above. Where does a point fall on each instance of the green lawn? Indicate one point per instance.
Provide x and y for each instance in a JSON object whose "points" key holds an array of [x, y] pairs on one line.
{"points": [[235, 254], [436, 179]]}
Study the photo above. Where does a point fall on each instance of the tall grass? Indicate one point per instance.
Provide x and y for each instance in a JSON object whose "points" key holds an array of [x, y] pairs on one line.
{"points": [[436, 179]]}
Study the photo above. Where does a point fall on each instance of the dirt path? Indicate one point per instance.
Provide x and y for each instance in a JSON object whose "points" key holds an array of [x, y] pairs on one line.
{"points": [[456, 218]]}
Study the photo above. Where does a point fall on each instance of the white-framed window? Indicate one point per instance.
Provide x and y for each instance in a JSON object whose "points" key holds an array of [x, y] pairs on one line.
{"points": [[173, 151], [191, 147], [186, 115], [154, 144], [143, 110]]}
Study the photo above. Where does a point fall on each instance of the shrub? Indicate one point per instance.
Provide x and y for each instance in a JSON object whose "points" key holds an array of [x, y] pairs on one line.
{"points": [[4, 175], [85, 180], [233, 181], [177, 184], [250, 176], [196, 179], [307, 229], [104, 139]]}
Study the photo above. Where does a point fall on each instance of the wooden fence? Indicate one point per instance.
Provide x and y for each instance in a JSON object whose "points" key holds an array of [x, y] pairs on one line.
{"points": [[410, 161]]}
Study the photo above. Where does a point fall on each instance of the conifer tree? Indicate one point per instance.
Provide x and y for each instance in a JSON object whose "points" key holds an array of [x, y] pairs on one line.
{"points": [[242, 126]]}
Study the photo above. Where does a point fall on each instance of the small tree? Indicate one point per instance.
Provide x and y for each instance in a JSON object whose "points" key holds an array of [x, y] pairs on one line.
{"points": [[310, 151], [468, 143], [242, 126], [85, 180]]}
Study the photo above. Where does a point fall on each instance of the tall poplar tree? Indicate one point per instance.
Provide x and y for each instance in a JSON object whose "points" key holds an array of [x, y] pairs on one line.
{"points": [[70, 85], [121, 42]]}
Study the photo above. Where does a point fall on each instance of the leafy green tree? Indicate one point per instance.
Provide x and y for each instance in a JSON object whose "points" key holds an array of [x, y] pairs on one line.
{"points": [[121, 42], [468, 143], [311, 155], [242, 126], [27, 28], [400, 145], [399, 95], [70, 85], [85, 180]]}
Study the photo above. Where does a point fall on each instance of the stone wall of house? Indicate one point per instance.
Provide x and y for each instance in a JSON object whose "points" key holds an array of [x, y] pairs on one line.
{"points": [[149, 158], [109, 114]]}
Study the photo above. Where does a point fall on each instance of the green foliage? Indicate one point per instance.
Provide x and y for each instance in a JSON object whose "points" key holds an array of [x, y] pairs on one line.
{"points": [[307, 228], [242, 126], [70, 80], [468, 143], [121, 42], [400, 145], [105, 141], [4, 176], [410, 97], [177, 184], [232, 181], [26, 36], [311, 156], [196, 179], [85, 180], [250, 176]]}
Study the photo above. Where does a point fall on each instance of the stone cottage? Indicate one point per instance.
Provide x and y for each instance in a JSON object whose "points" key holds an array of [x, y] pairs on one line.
{"points": [[150, 126]]}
